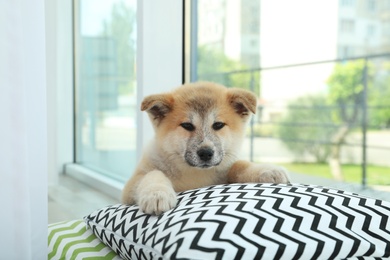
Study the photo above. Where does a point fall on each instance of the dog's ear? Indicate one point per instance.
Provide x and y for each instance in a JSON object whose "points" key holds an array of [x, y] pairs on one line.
{"points": [[157, 105], [243, 101]]}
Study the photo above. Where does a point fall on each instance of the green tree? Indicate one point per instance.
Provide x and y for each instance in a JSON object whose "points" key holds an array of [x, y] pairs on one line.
{"points": [[302, 129], [346, 93], [213, 65], [121, 28], [380, 98]]}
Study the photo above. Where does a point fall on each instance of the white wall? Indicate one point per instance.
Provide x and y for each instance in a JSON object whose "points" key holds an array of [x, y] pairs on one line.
{"points": [[59, 77], [159, 55]]}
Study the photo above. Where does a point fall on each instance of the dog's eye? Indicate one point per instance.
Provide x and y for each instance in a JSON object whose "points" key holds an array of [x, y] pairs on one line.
{"points": [[218, 125], [188, 126]]}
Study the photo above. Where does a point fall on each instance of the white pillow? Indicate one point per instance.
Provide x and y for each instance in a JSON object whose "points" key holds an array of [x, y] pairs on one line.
{"points": [[250, 221]]}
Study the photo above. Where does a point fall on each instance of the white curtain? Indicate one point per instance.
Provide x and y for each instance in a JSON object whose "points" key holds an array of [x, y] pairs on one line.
{"points": [[23, 134]]}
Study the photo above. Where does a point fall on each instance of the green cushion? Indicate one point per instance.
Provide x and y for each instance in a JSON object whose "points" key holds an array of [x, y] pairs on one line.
{"points": [[71, 240]]}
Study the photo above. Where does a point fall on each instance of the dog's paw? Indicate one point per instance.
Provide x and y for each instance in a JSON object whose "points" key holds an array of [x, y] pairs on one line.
{"points": [[243, 171], [273, 174], [157, 199]]}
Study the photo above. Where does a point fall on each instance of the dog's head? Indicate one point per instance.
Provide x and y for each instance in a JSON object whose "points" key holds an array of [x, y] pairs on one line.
{"points": [[202, 123]]}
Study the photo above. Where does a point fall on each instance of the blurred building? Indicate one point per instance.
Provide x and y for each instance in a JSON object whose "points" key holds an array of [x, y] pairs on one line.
{"points": [[364, 27], [231, 26]]}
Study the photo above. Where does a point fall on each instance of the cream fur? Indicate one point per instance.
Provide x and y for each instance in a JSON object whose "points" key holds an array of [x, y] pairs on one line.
{"points": [[172, 161]]}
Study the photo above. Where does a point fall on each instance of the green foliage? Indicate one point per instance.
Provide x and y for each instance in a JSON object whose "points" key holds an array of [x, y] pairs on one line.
{"points": [[346, 81], [302, 129], [121, 27], [380, 99], [346, 89], [213, 65]]}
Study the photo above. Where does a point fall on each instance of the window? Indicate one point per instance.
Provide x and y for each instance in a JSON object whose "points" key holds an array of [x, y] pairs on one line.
{"points": [[371, 30], [347, 3], [275, 52], [305, 70], [371, 5], [105, 81], [347, 26], [346, 52], [124, 51], [386, 30]]}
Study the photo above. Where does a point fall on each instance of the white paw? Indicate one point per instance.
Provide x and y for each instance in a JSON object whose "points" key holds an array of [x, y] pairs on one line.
{"points": [[273, 174], [156, 199]]}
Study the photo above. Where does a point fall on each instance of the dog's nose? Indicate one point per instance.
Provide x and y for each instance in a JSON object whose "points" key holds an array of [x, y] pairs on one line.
{"points": [[205, 154]]}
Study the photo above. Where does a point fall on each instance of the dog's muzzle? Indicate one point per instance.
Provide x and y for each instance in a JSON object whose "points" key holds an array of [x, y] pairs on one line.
{"points": [[204, 157]]}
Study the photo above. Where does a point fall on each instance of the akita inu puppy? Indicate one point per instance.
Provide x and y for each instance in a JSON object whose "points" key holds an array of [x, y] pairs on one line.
{"points": [[199, 128]]}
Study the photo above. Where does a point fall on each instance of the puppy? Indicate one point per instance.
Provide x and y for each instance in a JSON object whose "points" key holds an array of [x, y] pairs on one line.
{"points": [[199, 128]]}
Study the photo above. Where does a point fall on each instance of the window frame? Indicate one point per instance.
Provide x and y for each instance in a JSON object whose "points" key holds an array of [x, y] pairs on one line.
{"points": [[159, 62]]}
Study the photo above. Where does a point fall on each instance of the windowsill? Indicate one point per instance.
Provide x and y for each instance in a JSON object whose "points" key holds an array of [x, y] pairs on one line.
{"points": [[100, 182]]}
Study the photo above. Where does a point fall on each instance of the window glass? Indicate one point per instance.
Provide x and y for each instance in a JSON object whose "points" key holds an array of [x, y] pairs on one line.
{"points": [[105, 86], [321, 72]]}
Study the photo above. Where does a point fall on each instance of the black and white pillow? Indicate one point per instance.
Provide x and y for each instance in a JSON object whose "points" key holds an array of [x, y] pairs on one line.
{"points": [[251, 221]]}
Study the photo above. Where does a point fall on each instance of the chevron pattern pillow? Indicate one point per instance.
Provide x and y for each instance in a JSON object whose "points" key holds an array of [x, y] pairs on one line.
{"points": [[251, 221]]}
